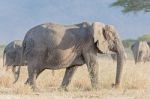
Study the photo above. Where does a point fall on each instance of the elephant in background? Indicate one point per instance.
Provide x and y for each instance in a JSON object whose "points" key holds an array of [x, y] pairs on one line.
{"points": [[148, 44], [13, 52], [141, 51], [55, 46], [12, 57]]}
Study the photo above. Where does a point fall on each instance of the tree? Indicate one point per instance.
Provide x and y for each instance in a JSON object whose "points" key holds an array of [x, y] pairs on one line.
{"points": [[145, 37], [128, 42], [133, 5]]}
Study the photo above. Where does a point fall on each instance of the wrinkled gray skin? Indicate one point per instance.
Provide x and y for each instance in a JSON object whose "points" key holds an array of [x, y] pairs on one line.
{"points": [[141, 51], [12, 57], [55, 46], [149, 48], [114, 57], [148, 44]]}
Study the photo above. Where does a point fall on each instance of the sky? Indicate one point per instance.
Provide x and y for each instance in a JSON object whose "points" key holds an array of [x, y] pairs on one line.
{"points": [[18, 16]]}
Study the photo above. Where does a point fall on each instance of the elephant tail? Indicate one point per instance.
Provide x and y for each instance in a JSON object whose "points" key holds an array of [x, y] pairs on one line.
{"points": [[27, 46]]}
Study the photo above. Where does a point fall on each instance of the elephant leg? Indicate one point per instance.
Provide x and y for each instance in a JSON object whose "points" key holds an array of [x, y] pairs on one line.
{"points": [[93, 72], [16, 73], [32, 76], [92, 65], [27, 81], [34, 69], [39, 71], [53, 72], [68, 76], [37, 74]]}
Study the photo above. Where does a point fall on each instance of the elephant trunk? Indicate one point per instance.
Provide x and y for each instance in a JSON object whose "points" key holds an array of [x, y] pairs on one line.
{"points": [[121, 58]]}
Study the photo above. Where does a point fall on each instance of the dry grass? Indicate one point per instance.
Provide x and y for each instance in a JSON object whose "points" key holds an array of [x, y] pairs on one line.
{"points": [[135, 83]]}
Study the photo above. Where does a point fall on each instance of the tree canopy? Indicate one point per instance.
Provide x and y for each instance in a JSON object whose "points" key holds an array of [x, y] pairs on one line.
{"points": [[145, 37], [133, 5], [128, 42]]}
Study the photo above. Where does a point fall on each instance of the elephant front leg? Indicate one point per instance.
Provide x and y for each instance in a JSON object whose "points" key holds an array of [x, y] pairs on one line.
{"points": [[92, 65], [93, 72], [68, 76]]}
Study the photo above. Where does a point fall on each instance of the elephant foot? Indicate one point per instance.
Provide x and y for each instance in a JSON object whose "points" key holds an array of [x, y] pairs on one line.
{"points": [[33, 86], [35, 89], [16, 77], [14, 81], [63, 89], [95, 88], [27, 82], [115, 85]]}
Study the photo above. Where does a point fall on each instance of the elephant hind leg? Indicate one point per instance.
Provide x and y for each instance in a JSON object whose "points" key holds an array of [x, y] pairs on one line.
{"points": [[38, 72], [31, 76], [14, 73], [33, 73], [68, 76], [53, 73]]}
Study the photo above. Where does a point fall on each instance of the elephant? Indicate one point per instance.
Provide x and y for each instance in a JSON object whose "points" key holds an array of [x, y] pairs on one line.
{"points": [[13, 52], [141, 51], [56, 46], [114, 57], [148, 44]]}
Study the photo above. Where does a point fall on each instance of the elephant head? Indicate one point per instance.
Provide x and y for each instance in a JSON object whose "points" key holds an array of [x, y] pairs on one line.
{"points": [[106, 39]]}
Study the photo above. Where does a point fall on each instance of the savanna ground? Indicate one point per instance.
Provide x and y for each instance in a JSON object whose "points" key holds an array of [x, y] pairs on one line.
{"points": [[135, 85]]}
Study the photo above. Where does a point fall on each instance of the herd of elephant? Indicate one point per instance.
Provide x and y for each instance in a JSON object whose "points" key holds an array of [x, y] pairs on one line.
{"points": [[55, 46]]}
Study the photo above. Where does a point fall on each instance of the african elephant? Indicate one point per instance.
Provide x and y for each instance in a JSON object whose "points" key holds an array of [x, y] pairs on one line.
{"points": [[141, 51], [12, 52], [148, 44], [55, 46], [114, 56]]}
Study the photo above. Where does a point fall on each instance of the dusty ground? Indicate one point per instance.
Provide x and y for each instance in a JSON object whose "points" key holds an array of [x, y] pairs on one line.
{"points": [[135, 85]]}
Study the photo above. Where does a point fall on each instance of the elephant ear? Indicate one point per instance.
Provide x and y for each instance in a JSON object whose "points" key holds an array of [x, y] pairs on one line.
{"points": [[99, 36]]}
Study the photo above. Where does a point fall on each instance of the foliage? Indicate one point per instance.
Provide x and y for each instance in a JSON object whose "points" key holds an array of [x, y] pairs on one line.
{"points": [[128, 42], [1, 50], [133, 5], [145, 37]]}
